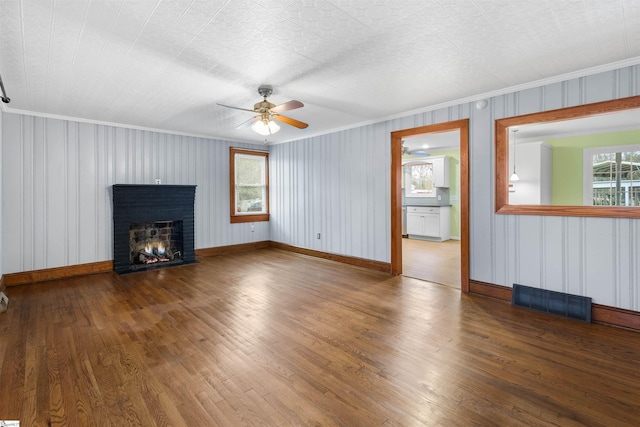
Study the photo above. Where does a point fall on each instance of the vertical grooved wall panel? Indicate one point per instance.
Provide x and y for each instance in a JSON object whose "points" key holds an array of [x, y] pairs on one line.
{"points": [[336, 185], [56, 181], [1, 185]]}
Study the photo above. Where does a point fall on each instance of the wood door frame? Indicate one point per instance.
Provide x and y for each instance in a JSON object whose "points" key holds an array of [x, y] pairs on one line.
{"points": [[396, 193]]}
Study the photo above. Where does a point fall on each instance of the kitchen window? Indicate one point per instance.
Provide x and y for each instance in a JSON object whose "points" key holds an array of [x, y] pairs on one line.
{"points": [[249, 185]]}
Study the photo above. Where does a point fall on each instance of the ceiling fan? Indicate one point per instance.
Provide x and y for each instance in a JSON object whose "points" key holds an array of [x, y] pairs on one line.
{"points": [[263, 123], [413, 152]]}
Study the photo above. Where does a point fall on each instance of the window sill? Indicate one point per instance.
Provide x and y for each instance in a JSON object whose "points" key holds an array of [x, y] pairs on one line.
{"points": [[237, 219]]}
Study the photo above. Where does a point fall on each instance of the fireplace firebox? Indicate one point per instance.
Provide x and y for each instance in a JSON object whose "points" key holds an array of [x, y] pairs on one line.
{"points": [[152, 242], [153, 226]]}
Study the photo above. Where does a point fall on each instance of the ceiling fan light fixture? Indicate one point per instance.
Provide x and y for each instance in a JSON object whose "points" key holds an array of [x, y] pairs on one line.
{"points": [[265, 127]]}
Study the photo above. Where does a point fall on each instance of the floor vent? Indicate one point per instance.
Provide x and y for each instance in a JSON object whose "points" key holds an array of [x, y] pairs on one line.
{"points": [[558, 303]]}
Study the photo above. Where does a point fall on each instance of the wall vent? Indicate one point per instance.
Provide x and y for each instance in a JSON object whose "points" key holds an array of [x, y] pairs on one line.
{"points": [[546, 301]]}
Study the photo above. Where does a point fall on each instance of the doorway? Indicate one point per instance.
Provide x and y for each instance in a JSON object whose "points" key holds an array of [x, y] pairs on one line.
{"points": [[462, 126]]}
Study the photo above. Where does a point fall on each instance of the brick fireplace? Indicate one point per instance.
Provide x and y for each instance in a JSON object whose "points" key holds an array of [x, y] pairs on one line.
{"points": [[153, 226]]}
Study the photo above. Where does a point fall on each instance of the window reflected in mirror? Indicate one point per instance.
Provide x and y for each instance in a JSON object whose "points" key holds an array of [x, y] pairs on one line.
{"points": [[612, 176]]}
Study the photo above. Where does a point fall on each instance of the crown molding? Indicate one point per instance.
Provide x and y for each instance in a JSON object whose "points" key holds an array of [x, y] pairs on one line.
{"points": [[485, 95], [120, 125], [474, 98]]}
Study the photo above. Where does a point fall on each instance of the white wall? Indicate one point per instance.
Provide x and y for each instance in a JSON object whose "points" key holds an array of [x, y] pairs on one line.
{"points": [[337, 186], [340, 186], [56, 188], [1, 204]]}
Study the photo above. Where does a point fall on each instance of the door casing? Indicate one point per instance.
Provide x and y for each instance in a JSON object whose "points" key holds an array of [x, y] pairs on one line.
{"points": [[396, 193]]}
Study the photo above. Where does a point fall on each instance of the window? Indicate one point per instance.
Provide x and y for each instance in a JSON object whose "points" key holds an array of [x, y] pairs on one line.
{"points": [[249, 185], [612, 176], [419, 180]]}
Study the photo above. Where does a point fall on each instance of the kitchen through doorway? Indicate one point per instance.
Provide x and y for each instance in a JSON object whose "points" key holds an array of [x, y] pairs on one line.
{"points": [[430, 195], [431, 207]]}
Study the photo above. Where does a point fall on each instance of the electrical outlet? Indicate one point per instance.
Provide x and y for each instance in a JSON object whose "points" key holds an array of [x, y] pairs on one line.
{"points": [[158, 182], [4, 302], [253, 228]]}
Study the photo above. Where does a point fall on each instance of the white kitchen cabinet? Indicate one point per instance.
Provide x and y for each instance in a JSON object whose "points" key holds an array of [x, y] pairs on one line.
{"points": [[429, 222], [415, 223], [440, 171]]}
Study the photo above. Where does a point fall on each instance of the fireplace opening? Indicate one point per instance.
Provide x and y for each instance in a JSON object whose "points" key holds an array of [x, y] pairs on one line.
{"points": [[158, 242]]}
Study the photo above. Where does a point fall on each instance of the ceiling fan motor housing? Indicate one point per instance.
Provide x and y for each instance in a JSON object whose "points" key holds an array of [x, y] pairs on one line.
{"points": [[265, 91], [263, 107]]}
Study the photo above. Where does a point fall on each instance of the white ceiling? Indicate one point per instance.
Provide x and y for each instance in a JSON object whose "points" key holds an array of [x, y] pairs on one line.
{"points": [[166, 64], [602, 123], [430, 142]]}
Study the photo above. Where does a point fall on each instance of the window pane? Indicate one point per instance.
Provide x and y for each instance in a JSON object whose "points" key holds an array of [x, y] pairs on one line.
{"points": [[249, 199], [422, 178], [616, 178], [249, 170]]}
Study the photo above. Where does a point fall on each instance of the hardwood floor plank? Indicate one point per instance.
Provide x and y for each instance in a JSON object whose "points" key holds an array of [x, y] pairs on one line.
{"points": [[271, 337], [438, 262], [216, 416], [12, 374], [60, 385], [41, 384]]}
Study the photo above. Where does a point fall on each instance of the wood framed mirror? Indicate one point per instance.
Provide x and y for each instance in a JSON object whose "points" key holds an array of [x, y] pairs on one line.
{"points": [[546, 131]]}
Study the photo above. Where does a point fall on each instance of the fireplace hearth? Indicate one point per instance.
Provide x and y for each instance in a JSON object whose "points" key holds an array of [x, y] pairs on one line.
{"points": [[153, 226]]}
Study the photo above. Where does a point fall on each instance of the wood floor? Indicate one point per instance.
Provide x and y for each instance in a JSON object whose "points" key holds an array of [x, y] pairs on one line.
{"points": [[437, 262], [274, 338]]}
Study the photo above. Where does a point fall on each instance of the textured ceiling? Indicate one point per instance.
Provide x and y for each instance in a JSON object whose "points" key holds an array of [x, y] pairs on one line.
{"points": [[166, 64]]}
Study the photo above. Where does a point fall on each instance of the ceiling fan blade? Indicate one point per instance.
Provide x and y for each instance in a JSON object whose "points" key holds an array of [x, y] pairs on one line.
{"points": [[290, 121], [420, 153], [287, 106], [236, 108], [248, 122]]}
